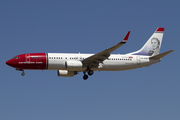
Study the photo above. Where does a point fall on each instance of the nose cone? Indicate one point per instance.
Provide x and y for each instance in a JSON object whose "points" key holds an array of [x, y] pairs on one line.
{"points": [[10, 63]]}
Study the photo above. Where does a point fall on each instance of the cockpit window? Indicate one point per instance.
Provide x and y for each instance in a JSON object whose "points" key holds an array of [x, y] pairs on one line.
{"points": [[16, 57]]}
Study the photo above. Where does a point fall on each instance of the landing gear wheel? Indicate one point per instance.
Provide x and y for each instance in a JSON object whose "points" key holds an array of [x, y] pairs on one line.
{"points": [[85, 77], [22, 73], [90, 72]]}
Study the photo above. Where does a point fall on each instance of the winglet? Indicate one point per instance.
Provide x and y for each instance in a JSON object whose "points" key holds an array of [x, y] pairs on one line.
{"points": [[101, 56], [126, 37]]}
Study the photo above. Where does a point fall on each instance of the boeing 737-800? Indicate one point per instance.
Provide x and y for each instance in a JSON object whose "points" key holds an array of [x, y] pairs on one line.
{"points": [[69, 64]]}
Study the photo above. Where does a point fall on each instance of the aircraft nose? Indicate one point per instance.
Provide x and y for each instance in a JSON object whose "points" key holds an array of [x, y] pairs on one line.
{"points": [[9, 62]]}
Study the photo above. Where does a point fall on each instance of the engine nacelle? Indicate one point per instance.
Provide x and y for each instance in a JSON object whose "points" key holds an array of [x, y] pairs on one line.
{"points": [[74, 65], [66, 73]]}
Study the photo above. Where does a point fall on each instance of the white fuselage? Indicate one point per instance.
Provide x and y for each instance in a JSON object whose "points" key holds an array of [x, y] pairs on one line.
{"points": [[115, 62]]}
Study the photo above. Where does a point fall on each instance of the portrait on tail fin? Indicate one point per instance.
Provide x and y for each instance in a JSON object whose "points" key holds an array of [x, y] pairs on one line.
{"points": [[155, 47]]}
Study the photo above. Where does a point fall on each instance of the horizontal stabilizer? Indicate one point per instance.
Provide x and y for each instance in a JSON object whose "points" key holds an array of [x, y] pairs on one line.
{"points": [[161, 55]]}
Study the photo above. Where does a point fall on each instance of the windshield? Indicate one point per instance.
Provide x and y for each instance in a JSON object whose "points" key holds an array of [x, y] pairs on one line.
{"points": [[16, 57]]}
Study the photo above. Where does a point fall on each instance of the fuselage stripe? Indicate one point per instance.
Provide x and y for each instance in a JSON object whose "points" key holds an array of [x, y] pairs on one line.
{"points": [[47, 61]]}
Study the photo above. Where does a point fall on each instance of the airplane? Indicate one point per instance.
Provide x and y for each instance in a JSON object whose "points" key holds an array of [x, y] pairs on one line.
{"points": [[70, 64]]}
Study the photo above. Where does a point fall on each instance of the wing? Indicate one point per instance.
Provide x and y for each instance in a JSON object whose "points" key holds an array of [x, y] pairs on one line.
{"points": [[94, 60]]}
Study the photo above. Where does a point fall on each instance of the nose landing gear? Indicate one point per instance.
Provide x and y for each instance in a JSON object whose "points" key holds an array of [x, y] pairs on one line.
{"points": [[23, 73]]}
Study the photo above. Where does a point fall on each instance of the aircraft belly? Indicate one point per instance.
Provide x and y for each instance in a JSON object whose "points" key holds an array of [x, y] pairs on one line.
{"points": [[115, 66], [118, 66]]}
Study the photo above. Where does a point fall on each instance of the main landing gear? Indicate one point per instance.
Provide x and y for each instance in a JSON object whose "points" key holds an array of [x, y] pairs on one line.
{"points": [[90, 72], [85, 77]]}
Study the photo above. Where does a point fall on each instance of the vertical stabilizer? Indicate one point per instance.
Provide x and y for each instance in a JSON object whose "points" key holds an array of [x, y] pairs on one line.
{"points": [[153, 45]]}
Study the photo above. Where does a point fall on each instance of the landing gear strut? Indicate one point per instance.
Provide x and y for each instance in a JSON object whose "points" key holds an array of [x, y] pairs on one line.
{"points": [[21, 70]]}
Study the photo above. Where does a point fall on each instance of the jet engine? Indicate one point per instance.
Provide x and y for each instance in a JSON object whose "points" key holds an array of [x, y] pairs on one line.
{"points": [[74, 65], [66, 73]]}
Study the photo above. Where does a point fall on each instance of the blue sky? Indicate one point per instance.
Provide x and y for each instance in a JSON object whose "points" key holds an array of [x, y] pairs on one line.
{"points": [[88, 26]]}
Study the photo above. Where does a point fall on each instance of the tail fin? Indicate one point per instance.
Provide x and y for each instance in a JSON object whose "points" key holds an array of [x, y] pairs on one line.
{"points": [[153, 45]]}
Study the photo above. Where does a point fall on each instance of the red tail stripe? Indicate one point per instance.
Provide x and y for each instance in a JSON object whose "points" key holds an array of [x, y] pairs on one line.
{"points": [[160, 30]]}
